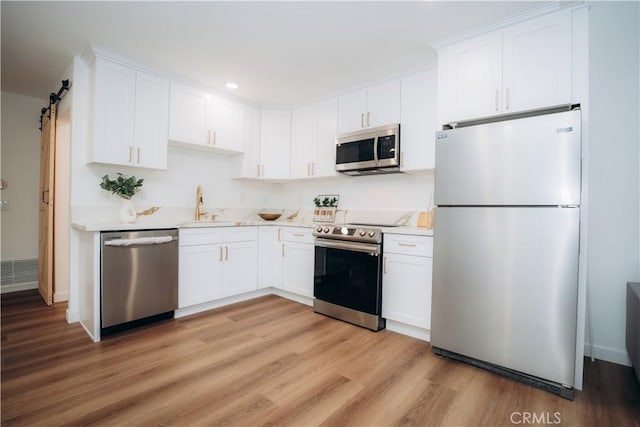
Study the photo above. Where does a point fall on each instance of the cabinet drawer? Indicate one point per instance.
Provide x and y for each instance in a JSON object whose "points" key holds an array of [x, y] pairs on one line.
{"points": [[240, 234], [297, 234], [201, 236], [207, 236], [408, 245]]}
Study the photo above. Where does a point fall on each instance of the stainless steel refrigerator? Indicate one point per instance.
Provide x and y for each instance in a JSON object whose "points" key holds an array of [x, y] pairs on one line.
{"points": [[506, 245]]}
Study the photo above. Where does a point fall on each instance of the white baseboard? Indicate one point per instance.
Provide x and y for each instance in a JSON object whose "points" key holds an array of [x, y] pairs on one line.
{"points": [[16, 287], [60, 296], [293, 297], [613, 355], [188, 311], [409, 330], [72, 317]]}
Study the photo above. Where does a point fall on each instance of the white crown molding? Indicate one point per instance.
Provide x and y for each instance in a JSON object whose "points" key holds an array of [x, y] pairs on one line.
{"points": [[515, 19]]}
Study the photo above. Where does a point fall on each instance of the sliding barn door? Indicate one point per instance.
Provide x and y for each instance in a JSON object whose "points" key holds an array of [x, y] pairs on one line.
{"points": [[47, 164]]}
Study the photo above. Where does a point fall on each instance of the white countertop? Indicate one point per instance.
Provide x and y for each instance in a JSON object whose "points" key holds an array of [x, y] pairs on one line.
{"points": [[154, 225]]}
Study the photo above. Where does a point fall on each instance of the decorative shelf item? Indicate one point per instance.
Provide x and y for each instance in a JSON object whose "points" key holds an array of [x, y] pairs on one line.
{"points": [[326, 206]]}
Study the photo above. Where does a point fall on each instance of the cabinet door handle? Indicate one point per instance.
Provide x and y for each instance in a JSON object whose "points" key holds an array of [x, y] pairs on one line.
{"points": [[279, 229], [368, 119], [130, 154], [257, 170], [407, 245], [283, 249], [313, 172], [138, 150], [214, 137], [361, 120], [401, 159], [384, 265], [308, 169], [208, 136], [226, 253], [506, 98], [497, 99], [220, 253]]}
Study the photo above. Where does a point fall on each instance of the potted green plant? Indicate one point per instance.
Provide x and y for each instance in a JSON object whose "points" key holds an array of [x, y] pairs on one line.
{"points": [[124, 187], [326, 206]]}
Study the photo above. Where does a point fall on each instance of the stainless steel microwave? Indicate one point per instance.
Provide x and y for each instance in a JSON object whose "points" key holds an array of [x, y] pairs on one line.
{"points": [[370, 151]]}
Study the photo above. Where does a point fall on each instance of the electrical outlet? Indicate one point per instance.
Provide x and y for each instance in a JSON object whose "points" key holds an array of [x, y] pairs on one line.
{"points": [[4, 205]]}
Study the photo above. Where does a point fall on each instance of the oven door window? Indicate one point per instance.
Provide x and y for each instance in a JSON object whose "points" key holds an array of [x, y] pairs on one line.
{"points": [[356, 151], [348, 278]]}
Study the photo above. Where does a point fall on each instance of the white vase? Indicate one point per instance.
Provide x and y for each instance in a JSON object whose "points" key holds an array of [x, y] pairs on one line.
{"points": [[126, 213]]}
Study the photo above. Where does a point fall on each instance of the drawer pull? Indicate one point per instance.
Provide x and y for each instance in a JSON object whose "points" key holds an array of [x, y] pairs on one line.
{"points": [[298, 234], [283, 249], [407, 245], [384, 265], [220, 253]]}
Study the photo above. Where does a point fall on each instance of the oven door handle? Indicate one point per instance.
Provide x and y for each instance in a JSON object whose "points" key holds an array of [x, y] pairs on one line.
{"points": [[349, 246]]}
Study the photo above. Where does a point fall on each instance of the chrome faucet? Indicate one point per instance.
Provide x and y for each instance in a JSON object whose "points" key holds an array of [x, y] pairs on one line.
{"points": [[199, 203]]}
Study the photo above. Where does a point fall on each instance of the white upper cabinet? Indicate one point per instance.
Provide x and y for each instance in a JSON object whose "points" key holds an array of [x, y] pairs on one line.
{"points": [[374, 106], [470, 78], [418, 123], [314, 130], [250, 161], [275, 144], [189, 114], [151, 121], [537, 63], [227, 124], [352, 109], [303, 140], [200, 120], [130, 116], [525, 66]]}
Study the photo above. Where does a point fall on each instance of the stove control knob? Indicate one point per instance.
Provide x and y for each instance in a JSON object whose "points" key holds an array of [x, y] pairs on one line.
{"points": [[319, 229], [326, 229], [372, 233], [362, 232]]}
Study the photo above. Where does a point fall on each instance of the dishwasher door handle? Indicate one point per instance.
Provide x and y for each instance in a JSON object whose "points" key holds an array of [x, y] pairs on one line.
{"points": [[140, 241]]}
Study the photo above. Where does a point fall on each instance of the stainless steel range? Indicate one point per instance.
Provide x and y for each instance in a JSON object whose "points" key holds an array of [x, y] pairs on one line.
{"points": [[348, 274]]}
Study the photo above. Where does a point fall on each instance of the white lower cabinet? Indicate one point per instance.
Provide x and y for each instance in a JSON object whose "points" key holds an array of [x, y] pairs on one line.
{"points": [[216, 263], [406, 282], [297, 268], [200, 275], [286, 257], [269, 257], [239, 273]]}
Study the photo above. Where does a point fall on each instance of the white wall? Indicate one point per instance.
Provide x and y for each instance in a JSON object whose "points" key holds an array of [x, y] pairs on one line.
{"points": [[395, 192], [21, 170], [614, 189]]}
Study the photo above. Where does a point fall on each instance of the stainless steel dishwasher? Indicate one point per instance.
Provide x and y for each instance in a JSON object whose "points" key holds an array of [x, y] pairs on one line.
{"points": [[139, 277]]}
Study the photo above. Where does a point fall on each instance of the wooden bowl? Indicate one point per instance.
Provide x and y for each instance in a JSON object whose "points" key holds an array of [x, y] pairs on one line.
{"points": [[269, 216]]}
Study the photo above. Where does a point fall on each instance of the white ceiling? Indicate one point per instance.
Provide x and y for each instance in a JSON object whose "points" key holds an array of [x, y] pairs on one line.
{"points": [[280, 53]]}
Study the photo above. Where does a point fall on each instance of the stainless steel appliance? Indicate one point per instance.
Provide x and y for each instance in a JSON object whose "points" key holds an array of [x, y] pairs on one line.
{"points": [[139, 276], [506, 245], [370, 151], [347, 277]]}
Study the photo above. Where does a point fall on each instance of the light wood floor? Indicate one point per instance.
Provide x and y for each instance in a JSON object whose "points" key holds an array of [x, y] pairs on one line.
{"points": [[269, 361]]}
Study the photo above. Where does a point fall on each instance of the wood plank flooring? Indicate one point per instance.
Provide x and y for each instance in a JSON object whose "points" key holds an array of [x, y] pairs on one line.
{"points": [[269, 362]]}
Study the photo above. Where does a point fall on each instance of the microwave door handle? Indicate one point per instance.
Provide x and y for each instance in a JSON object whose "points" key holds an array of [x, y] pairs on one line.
{"points": [[375, 150]]}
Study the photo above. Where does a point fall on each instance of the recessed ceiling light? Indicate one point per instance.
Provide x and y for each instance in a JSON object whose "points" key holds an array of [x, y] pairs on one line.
{"points": [[231, 85]]}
